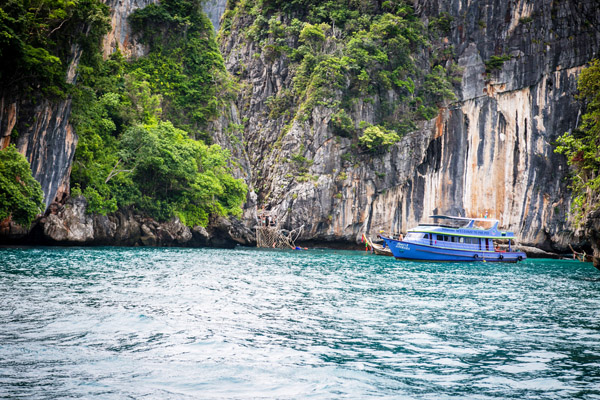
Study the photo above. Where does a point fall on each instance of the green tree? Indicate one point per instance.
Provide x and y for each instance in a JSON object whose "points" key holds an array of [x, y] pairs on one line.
{"points": [[20, 194], [313, 35], [341, 124], [582, 146], [376, 138], [179, 176], [437, 88], [36, 38], [184, 64]]}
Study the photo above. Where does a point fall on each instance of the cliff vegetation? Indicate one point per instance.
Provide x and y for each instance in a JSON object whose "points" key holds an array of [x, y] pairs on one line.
{"points": [[142, 142], [20, 195], [345, 116], [582, 145], [36, 40], [342, 51]]}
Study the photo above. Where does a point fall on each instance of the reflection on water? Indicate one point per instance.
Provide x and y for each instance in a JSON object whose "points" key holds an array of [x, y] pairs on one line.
{"points": [[246, 323]]}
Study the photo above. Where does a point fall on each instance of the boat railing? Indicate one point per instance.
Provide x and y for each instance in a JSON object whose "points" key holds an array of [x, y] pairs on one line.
{"points": [[450, 245]]}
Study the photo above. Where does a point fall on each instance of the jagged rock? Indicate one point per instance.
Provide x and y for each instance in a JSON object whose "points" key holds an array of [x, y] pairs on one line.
{"points": [[219, 233], [534, 252], [592, 231], [69, 223], [54, 228], [230, 232], [148, 237], [200, 237], [119, 37], [214, 9], [104, 229], [179, 233], [129, 230], [10, 231]]}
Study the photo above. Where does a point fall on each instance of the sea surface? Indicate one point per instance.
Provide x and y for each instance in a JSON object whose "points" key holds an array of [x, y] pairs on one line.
{"points": [[146, 323]]}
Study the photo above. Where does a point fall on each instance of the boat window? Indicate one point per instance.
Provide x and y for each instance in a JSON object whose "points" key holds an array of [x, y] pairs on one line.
{"points": [[461, 240], [413, 236], [427, 236]]}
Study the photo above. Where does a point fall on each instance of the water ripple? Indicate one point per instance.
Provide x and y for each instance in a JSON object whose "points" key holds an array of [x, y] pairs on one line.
{"points": [[116, 323]]}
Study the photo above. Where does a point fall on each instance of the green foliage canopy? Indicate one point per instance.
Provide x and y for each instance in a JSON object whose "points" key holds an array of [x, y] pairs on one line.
{"points": [[178, 175], [134, 121], [20, 194], [36, 38], [376, 138], [184, 64]]}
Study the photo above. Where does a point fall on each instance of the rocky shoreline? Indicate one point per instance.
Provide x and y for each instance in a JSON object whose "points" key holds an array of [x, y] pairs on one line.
{"points": [[70, 225]]}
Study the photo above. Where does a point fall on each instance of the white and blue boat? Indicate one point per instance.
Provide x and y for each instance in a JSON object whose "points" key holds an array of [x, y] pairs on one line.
{"points": [[456, 239]]}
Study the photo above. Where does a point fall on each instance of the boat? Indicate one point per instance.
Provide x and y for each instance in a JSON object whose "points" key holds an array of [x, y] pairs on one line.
{"points": [[381, 250], [376, 248], [456, 239]]}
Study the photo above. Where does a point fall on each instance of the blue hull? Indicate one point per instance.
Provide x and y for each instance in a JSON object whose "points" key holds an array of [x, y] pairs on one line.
{"points": [[414, 251]]}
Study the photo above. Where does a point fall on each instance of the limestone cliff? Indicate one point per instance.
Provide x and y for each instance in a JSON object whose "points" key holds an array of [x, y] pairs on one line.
{"points": [[40, 127], [119, 37], [41, 131], [489, 151], [214, 9]]}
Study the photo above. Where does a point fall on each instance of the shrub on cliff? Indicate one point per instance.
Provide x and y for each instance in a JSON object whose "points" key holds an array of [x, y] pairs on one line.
{"points": [[582, 146], [184, 64], [377, 138], [20, 194]]}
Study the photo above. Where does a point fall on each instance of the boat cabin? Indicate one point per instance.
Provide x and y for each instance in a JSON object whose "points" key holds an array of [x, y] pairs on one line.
{"points": [[476, 234]]}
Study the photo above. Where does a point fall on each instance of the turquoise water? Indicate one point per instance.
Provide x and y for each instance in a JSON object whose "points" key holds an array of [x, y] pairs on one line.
{"points": [[115, 323]]}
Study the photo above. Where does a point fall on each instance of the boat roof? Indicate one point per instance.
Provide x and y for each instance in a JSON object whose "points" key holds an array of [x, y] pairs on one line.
{"points": [[463, 218], [467, 231]]}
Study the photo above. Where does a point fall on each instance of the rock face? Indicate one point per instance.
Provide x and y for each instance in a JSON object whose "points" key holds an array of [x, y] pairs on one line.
{"points": [[44, 135], [120, 36], [214, 9], [592, 231], [69, 224], [491, 151]]}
